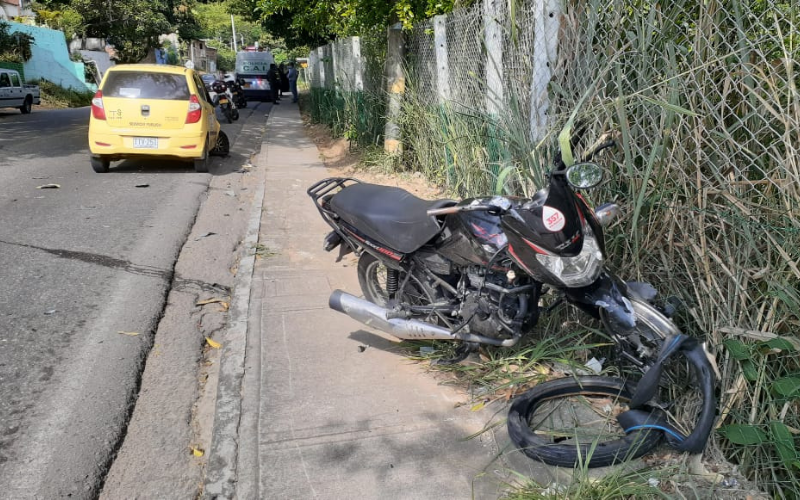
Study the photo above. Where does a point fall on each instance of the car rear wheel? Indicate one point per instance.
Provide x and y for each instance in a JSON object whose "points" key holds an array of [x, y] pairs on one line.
{"points": [[100, 164], [26, 106]]}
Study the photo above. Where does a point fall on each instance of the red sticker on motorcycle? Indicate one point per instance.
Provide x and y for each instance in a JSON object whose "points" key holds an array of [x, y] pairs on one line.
{"points": [[553, 219]]}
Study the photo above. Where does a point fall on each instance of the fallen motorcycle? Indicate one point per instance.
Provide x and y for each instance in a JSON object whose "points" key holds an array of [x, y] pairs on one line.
{"points": [[475, 272]]}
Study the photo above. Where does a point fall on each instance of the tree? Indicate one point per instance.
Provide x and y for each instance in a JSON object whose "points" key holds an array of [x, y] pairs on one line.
{"points": [[315, 22], [14, 47], [132, 26], [214, 20]]}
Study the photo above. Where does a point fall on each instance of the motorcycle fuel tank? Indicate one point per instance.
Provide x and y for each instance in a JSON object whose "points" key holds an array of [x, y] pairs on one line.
{"points": [[472, 237]]}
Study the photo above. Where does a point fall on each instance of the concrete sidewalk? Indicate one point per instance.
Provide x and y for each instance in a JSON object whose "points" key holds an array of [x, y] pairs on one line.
{"points": [[322, 416]]}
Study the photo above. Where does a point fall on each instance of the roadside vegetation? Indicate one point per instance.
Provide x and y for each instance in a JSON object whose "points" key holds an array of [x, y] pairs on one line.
{"points": [[55, 96], [14, 47], [705, 115]]}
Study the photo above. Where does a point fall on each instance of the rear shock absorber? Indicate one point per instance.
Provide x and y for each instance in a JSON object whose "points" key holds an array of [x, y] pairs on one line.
{"points": [[392, 279]]}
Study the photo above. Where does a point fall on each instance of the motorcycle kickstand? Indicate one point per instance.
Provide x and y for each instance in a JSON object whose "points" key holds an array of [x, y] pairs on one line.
{"points": [[462, 351]]}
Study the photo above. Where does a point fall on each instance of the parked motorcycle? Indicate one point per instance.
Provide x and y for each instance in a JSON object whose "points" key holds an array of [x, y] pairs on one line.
{"points": [[222, 97], [475, 271], [236, 90]]}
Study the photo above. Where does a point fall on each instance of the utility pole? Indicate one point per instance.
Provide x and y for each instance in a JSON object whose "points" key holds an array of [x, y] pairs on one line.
{"points": [[233, 27]]}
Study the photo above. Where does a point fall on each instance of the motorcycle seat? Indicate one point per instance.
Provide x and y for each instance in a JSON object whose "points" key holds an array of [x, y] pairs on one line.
{"points": [[389, 215]]}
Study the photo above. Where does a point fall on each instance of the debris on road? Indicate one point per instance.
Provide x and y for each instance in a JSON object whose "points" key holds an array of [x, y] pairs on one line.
{"points": [[212, 344], [49, 186], [204, 236], [51, 311], [211, 301], [143, 185], [198, 452], [129, 334]]}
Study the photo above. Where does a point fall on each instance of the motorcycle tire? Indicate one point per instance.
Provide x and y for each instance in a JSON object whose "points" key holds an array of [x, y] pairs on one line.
{"points": [[227, 113], [418, 291], [595, 454], [235, 114]]}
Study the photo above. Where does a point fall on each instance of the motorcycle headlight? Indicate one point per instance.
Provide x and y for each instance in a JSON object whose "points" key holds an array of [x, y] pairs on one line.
{"points": [[578, 271]]}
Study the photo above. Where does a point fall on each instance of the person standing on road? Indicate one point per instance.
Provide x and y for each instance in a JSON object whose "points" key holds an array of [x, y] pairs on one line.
{"points": [[284, 79], [274, 83], [292, 75]]}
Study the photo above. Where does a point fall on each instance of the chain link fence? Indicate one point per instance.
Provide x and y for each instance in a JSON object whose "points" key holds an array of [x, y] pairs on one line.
{"points": [[702, 98]]}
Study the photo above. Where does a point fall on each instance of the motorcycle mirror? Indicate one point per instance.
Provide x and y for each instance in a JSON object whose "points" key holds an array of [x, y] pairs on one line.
{"points": [[584, 175]]}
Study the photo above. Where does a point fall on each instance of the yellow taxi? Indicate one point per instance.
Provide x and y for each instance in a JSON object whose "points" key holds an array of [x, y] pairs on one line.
{"points": [[153, 111]]}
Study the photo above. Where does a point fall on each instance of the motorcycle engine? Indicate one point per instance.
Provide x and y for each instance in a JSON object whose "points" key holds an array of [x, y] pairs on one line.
{"points": [[490, 312]]}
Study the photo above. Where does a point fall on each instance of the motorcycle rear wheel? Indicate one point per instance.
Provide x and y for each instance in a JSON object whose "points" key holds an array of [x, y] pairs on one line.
{"points": [[531, 430], [373, 275]]}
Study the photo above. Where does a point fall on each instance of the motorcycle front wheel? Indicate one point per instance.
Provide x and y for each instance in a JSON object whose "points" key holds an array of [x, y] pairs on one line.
{"points": [[572, 421], [681, 393]]}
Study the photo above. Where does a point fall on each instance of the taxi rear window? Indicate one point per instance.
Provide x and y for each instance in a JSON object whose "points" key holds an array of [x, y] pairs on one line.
{"points": [[140, 85]]}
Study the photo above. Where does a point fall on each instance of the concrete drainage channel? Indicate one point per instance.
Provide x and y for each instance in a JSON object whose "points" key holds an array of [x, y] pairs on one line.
{"points": [[164, 451]]}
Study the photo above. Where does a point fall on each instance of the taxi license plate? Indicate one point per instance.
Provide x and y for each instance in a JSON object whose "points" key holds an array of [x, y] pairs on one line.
{"points": [[223, 101], [145, 142]]}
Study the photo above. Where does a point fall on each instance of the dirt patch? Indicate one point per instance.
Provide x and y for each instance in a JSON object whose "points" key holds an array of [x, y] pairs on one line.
{"points": [[346, 161]]}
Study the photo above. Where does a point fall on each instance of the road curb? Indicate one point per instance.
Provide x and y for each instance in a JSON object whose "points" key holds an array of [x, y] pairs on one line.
{"points": [[221, 474]]}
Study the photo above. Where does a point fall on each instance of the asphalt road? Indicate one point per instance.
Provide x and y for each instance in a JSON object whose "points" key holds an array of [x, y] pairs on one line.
{"points": [[78, 265]]}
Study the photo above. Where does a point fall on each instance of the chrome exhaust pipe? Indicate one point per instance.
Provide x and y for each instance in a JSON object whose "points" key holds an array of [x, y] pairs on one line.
{"points": [[375, 316]]}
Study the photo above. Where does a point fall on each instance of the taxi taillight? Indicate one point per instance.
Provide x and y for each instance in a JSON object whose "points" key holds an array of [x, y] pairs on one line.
{"points": [[195, 110], [98, 111]]}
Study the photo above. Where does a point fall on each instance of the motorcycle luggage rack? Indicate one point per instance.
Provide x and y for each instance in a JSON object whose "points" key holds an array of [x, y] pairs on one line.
{"points": [[329, 186], [321, 193]]}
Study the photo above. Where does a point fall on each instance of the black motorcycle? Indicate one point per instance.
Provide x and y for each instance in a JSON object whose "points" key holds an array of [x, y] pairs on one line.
{"points": [[237, 92], [223, 99], [475, 272]]}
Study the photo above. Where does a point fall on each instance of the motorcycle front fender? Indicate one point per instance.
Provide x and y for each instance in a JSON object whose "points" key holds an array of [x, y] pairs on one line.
{"points": [[609, 293]]}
